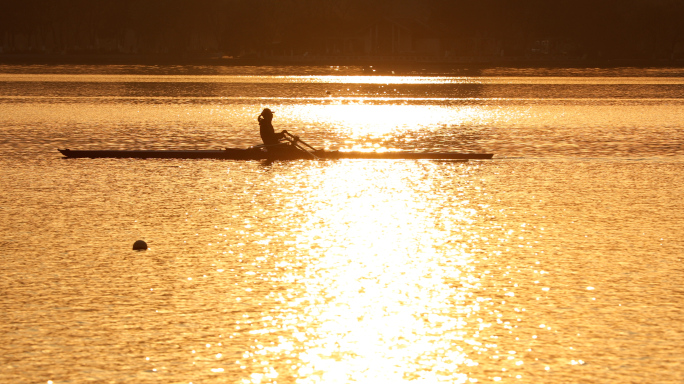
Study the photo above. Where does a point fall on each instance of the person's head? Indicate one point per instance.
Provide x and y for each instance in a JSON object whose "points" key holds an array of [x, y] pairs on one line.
{"points": [[267, 114]]}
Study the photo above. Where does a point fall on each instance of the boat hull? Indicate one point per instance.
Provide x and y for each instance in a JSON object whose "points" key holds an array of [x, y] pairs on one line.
{"points": [[258, 154], [231, 154]]}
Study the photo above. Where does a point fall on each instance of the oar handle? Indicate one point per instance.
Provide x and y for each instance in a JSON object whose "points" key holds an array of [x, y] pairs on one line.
{"points": [[297, 139]]}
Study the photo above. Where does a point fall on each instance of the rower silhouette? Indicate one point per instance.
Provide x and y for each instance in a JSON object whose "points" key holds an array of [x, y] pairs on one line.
{"points": [[268, 135]]}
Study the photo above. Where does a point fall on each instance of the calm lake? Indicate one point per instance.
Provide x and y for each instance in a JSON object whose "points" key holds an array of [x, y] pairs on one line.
{"points": [[559, 261]]}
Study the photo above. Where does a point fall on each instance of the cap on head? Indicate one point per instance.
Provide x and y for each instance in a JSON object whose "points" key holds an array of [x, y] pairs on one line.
{"points": [[267, 111]]}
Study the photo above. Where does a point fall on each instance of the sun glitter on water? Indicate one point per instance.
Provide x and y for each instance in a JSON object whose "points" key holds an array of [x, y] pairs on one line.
{"points": [[361, 125], [376, 300]]}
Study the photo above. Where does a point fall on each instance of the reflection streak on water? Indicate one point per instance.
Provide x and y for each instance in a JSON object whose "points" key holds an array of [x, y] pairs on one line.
{"points": [[364, 125], [386, 287]]}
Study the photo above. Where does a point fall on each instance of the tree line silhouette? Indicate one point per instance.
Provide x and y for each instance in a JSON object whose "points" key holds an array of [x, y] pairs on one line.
{"points": [[609, 28]]}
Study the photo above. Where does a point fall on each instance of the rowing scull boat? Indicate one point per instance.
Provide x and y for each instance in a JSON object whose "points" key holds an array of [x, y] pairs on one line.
{"points": [[260, 154], [290, 148]]}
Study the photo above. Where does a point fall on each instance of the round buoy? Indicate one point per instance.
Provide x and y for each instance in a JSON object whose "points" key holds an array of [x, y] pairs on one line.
{"points": [[139, 245]]}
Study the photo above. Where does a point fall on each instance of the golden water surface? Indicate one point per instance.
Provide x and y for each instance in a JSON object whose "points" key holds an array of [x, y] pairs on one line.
{"points": [[559, 261]]}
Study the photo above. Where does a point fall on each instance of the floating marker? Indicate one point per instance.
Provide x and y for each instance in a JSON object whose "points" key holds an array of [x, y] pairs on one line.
{"points": [[139, 246]]}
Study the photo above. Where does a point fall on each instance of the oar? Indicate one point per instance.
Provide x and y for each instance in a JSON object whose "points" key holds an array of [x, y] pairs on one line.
{"points": [[295, 140]]}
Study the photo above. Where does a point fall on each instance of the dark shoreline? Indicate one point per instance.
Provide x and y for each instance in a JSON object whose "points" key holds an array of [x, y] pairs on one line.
{"points": [[385, 62]]}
